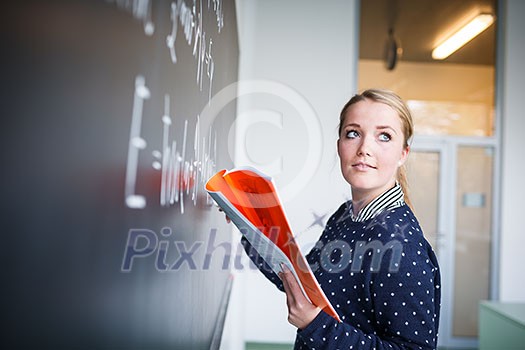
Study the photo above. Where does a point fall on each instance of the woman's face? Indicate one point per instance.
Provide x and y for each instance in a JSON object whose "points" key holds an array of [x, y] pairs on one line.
{"points": [[371, 148]]}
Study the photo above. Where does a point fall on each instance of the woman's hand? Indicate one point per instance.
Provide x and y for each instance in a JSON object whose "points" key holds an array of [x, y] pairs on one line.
{"points": [[300, 310]]}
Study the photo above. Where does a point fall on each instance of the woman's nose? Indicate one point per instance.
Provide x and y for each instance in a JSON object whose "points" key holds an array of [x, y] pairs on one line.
{"points": [[364, 148]]}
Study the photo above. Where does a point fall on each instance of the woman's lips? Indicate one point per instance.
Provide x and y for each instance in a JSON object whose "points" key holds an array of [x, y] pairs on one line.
{"points": [[362, 166]]}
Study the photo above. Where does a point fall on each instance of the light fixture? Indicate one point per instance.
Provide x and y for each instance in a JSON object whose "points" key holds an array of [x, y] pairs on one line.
{"points": [[463, 36]]}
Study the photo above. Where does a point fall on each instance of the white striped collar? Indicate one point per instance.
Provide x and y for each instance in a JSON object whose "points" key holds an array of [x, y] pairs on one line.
{"points": [[390, 199]]}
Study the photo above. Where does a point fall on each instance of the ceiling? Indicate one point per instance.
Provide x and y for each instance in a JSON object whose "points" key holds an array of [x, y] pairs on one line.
{"points": [[420, 24]]}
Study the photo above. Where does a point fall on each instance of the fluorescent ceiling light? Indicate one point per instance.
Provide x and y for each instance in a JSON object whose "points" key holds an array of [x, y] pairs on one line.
{"points": [[462, 36]]}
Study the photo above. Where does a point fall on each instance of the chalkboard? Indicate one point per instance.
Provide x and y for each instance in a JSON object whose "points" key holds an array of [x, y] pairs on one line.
{"points": [[108, 238]]}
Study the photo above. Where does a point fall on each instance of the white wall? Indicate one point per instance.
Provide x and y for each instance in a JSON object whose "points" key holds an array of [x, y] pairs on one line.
{"points": [[305, 53], [512, 256]]}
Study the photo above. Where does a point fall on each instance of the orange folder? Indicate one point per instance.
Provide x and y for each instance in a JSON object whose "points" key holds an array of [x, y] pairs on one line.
{"points": [[249, 199]]}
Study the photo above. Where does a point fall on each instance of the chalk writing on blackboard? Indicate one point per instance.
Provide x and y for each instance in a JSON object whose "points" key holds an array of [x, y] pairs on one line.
{"points": [[181, 172], [172, 36], [136, 143], [210, 67], [191, 21]]}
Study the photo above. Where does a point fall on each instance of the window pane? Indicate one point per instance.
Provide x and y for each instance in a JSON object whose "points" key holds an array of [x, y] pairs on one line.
{"points": [[451, 118]]}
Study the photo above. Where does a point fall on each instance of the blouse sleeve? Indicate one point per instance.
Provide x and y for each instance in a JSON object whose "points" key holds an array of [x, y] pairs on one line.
{"points": [[406, 304]]}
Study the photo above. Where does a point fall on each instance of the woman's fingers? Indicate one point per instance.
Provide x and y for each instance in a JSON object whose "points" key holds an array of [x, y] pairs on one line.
{"points": [[300, 311], [285, 278], [290, 283]]}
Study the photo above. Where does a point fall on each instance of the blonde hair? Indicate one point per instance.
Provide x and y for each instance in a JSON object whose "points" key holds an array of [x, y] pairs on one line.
{"points": [[395, 102]]}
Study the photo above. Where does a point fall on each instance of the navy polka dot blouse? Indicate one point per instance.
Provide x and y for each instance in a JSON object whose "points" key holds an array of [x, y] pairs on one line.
{"points": [[381, 276]]}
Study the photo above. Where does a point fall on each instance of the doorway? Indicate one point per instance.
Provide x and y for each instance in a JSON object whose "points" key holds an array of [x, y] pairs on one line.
{"points": [[455, 210]]}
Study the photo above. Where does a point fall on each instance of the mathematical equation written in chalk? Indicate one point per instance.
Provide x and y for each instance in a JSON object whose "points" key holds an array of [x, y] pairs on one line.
{"points": [[191, 21], [182, 168]]}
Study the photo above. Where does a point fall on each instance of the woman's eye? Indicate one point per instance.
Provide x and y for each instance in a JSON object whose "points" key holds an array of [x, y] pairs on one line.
{"points": [[352, 134], [385, 137]]}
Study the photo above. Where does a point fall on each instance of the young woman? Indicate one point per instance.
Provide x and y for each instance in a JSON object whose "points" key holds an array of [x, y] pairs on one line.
{"points": [[372, 259]]}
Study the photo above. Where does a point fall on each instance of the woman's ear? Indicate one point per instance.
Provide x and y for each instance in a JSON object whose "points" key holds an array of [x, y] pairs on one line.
{"points": [[404, 156], [338, 151]]}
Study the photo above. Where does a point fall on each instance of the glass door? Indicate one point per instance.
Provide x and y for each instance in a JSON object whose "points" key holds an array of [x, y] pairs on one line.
{"points": [[451, 191]]}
